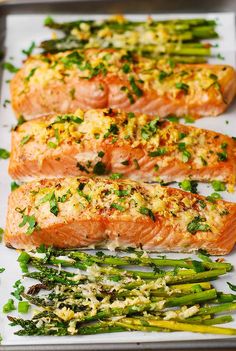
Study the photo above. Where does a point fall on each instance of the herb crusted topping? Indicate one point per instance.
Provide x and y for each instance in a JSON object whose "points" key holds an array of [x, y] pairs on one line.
{"points": [[162, 141], [107, 197], [139, 74]]}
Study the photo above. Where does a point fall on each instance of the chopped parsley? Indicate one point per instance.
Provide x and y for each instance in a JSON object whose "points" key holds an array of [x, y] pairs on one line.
{"points": [[147, 212], [126, 68], [51, 198], [189, 185], [150, 129], [29, 51], [64, 197], [67, 118], [159, 152], [223, 156], [9, 306], [136, 90], [217, 185], [101, 154], [181, 146], [122, 193], [129, 95], [213, 197], [14, 186], [173, 119], [202, 203], [189, 119], [20, 121], [30, 221], [25, 139], [182, 86], [10, 67], [82, 168], [82, 194], [130, 115], [118, 207], [198, 224], [116, 176], [19, 289], [30, 75], [112, 130], [4, 154], [99, 168], [6, 102], [163, 75], [182, 135], [186, 155]]}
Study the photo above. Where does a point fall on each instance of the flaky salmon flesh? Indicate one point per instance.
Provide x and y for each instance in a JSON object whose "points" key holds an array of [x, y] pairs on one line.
{"points": [[87, 212], [63, 82], [109, 142]]}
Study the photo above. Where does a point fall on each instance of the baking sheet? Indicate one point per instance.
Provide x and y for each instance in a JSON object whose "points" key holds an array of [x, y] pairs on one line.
{"points": [[21, 30]]}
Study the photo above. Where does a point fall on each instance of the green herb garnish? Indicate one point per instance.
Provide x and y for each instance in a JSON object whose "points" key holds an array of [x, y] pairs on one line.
{"points": [[189, 185], [10, 67], [150, 129], [118, 207], [25, 139], [29, 51], [116, 176], [182, 86], [217, 185], [99, 168], [147, 212], [14, 186], [197, 224], [4, 154], [159, 152]]}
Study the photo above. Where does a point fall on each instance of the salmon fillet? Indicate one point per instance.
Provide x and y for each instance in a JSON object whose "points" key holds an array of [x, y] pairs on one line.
{"points": [[63, 82], [85, 212], [107, 141]]}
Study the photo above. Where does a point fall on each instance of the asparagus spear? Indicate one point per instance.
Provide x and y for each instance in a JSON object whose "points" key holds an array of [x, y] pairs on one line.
{"points": [[181, 39], [186, 286], [84, 257], [230, 306], [173, 325], [218, 320], [195, 28]]}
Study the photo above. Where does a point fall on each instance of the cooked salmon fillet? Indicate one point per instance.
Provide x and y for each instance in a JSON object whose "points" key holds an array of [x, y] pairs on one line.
{"points": [[82, 212], [123, 144], [63, 82]]}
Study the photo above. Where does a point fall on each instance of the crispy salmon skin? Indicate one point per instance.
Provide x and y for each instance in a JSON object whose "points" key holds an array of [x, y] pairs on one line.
{"points": [[106, 142], [80, 212], [63, 82]]}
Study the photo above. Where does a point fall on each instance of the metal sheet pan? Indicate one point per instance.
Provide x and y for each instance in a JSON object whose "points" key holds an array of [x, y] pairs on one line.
{"points": [[91, 7]]}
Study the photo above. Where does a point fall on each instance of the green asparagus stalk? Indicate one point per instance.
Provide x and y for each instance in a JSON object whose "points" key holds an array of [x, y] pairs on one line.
{"points": [[213, 321], [83, 258], [173, 325], [181, 40], [229, 307], [191, 299]]}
